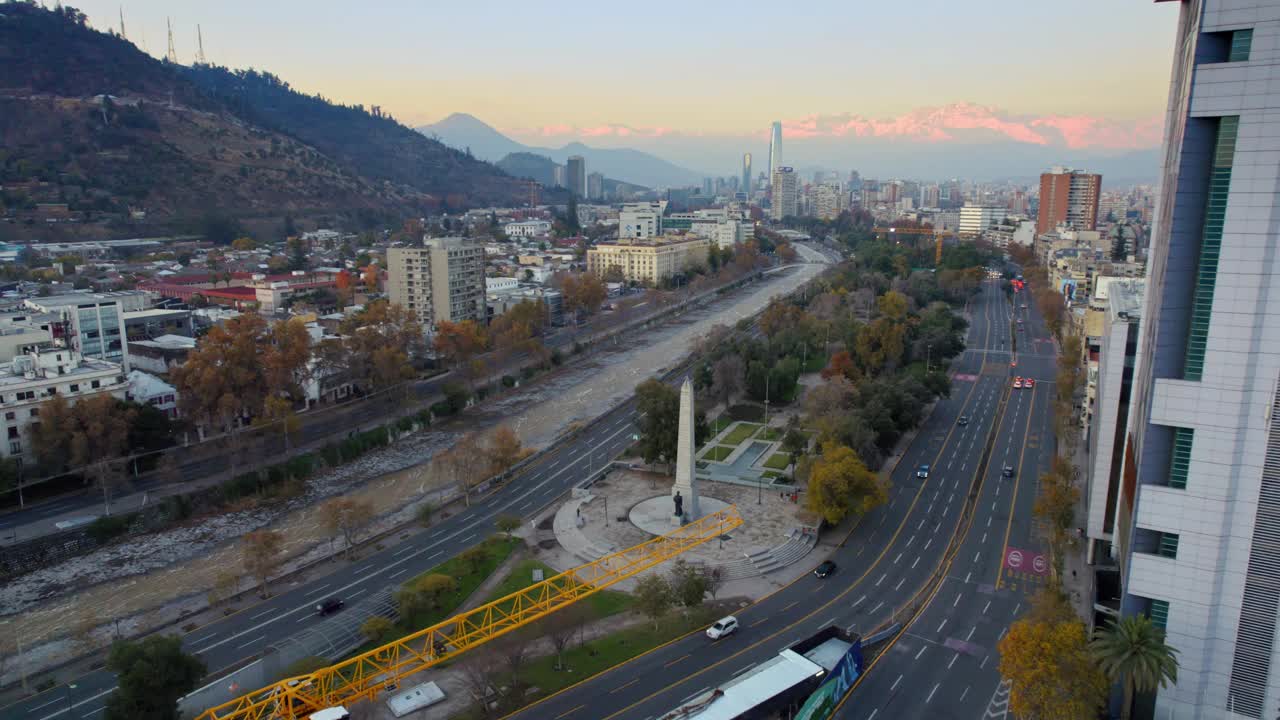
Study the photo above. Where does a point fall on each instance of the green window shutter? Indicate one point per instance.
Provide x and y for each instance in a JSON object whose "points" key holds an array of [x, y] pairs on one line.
{"points": [[1181, 460], [1159, 613], [1210, 247], [1241, 43], [1168, 545]]}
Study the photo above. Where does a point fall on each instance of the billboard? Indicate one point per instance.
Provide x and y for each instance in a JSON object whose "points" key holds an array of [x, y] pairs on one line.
{"points": [[823, 701]]}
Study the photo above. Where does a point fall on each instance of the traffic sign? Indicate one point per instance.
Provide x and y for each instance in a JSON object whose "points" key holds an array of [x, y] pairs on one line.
{"points": [[1015, 559], [1039, 564]]}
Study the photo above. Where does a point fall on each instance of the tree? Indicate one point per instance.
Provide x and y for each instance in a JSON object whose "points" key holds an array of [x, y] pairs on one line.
{"points": [[379, 348], [346, 516], [260, 554], [840, 484], [658, 405], [715, 579], [285, 359], [458, 342], [505, 450], [560, 626], [377, 628], [422, 594], [582, 293], [1051, 672], [223, 382], [726, 379], [89, 434], [297, 253], [840, 365], [464, 464], [1132, 652], [688, 585], [794, 441], [474, 558], [653, 597], [480, 670], [508, 523], [151, 675]]}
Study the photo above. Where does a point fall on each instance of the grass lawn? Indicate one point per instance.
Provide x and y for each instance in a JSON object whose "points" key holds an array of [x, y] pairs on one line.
{"points": [[778, 461], [741, 432], [717, 453], [769, 433], [720, 423], [602, 604], [605, 652], [772, 474]]}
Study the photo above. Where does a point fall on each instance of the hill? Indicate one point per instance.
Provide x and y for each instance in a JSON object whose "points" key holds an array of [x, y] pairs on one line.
{"points": [[467, 132], [88, 120]]}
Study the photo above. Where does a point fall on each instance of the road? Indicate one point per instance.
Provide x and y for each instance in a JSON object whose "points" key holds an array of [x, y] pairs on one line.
{"points": [[884, 563], [235, 638], [945, 664]]}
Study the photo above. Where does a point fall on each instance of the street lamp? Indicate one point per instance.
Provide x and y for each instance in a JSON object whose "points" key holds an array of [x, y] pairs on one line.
{"points": [[70, 687]]}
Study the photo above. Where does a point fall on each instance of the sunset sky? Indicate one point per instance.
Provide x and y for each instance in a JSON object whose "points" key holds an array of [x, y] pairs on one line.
{"points": [[576, 69]]}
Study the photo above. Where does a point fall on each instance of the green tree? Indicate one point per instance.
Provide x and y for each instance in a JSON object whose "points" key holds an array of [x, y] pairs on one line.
{"points": [[297, 253], [151, 675], [653, 597], [508, 523], [840, 484], [424, 594], [474, 557], [658, 421], [689, 585], [1132, 652], [377, 628]]}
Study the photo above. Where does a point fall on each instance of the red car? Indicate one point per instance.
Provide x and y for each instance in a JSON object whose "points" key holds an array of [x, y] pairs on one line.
{"points": [[1028, 383]]}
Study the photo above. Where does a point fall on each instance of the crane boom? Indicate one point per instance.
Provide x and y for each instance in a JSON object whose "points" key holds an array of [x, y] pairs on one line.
{"points": [[382, 668]]}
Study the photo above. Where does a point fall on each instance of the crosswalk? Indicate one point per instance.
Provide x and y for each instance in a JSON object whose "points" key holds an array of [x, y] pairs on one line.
{"points": [[998, 706]]}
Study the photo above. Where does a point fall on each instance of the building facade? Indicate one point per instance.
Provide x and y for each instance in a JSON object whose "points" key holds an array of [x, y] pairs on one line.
{"points": [[1068, 197], [976, 219], [576, 175], [784, 192], [595, 186], [647, 262], [29, 380], [441, 281], [775, 148], [746, 174], [1199, 510], [640, 220]]}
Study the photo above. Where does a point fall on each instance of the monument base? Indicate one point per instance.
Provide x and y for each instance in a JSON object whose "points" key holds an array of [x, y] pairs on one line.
{"points": [[654, 515]]}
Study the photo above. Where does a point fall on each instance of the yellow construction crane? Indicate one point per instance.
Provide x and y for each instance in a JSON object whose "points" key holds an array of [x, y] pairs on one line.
{"points": [[364, 676], [937, 234]]}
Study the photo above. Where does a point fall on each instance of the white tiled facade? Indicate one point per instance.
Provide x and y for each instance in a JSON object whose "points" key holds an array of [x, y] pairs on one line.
{"points": [[1211, 549]]}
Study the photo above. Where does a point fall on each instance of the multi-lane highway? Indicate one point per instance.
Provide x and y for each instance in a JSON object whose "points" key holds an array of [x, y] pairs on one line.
{"points": [[231, 640], [883, 565], [945, 663]]}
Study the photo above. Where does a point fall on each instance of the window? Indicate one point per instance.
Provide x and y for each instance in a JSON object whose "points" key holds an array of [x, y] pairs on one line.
{"points": [[15, 448], [35, 412], [11, 415], [13, 433], [1241, 43], [75, 387], [95, 384], [1181, 457], [1210, 247], [1159, 613], [1167, 545]]}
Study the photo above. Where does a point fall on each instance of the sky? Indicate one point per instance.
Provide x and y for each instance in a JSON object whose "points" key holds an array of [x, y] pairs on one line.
{"points": [[598, 69]]}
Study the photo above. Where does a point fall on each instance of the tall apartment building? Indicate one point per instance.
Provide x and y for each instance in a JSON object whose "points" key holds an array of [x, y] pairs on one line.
{"points": [[648, 262], [930, 195], [1068, 197], [775, 148], [746, 174], [976, 219], [1198, 521], [784, 193], [576, 175], [829, 200], [443, 280]]}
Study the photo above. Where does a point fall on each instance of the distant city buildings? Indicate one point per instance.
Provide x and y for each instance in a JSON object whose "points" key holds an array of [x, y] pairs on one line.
{"points": [[1068, 197], [595, 186], [976, 219], [576, 175], [527, 228], [647, 261], [746, 174], [441, 281], [829, 200], [775, 148], [783, 189]]}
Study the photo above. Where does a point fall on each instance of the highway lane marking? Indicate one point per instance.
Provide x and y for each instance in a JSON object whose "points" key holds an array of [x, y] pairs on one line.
{"points": [[93, 712], [623, 687], [55, 700], [877, 607], [832, 621], [316, 590], [953, 660], [983, 664], [911, 540], [922, 649], [399, 572], [1016, 609], [984, 607], [790, 606], [917, 562], [873, 714], [759, 622], [251, 642], [682, 658], [895, 560], [858, 602], [895, 684], [264, 612], [468, 538], [899, 585], [403, 550], [882, 577], [966, 689], [984, 539], [972, 630], [957, 601], [942, 625], [570, 712], [931, 692], [930, 542]]}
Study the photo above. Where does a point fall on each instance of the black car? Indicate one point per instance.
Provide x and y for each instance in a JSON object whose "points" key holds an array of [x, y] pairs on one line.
{"points": [[1007, 471], [329, 607], [826, 568], [963, 420]]}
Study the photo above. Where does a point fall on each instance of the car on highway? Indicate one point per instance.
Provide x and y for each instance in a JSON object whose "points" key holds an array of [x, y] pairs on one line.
{"points": [[329, 606], [1017, 383], [1028, 383], [723, 627], [1007, 471], [923, 472], [826, 568], [962, 420]]}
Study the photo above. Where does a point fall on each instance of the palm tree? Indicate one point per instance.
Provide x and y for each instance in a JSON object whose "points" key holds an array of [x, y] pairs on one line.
{"points": [[1133, 653]]}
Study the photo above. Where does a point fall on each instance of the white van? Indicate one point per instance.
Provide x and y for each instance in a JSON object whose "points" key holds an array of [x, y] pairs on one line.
{"points": [[723, 627], [333, 713]]}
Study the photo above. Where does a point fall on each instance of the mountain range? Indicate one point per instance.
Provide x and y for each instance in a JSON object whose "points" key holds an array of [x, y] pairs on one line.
{"points": [[89, 120], [468, 133]]}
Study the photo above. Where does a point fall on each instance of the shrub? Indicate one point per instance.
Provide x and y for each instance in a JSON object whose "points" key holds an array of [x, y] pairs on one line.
{"points": [[442, 409], [557, 357], [424, 417], [109, 526], [240, 486], [404, 424], [508, 381], [456, 395], [331, 454], [301, 467]]}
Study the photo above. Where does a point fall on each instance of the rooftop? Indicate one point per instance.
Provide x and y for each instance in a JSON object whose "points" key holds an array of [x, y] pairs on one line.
{"points": [[1126, 299], [168, 342]]}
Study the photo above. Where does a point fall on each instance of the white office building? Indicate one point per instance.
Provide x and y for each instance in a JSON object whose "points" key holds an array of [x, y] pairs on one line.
{"points": [[29, 380], [527, 228], [641, 220], [976, 219], [1198, 522]]}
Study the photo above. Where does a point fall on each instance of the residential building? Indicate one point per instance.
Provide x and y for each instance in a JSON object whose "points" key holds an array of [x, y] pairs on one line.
{"points": [[162, 354], [441, 281], [783, 194], [30, 379], [147, 389], [1198, 520], [648, 262], [975, 219], [1068, 197], [527, 228], [1011, 232], [641, 220], [559, 176], [929, 196], [829, 201], [92, 324], [775, 148], [576, 174], [746, 174], [595, 186]]}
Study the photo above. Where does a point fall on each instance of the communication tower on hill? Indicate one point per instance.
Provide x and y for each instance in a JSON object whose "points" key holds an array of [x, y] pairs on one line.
{"points": [[199, 46], [172, 55]]}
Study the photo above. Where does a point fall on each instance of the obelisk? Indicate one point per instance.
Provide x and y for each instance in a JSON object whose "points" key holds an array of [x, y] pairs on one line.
{"points": [[684, 487]]}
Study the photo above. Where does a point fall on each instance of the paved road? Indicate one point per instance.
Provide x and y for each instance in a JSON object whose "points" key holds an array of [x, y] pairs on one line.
{"points": [[230, 640], [885, 562], [945, 665]]}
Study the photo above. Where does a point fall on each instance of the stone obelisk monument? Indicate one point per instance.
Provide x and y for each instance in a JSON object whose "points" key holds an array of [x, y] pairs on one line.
{"points": [[684, 493]]}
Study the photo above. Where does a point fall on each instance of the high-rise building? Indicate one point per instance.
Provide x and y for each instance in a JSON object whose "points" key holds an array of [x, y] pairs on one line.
{"points": [[708, 187], [595, 186], [775, 149], [783, 189], [1068, 197], [1198, 517], [746, 173], [576, 175], [829, 199], [641, 220], [975, 219], [929, 196], [443, 280], [559, 176]]}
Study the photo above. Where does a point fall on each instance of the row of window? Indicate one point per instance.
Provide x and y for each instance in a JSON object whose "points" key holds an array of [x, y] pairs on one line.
{"points": [[26, 395]]}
